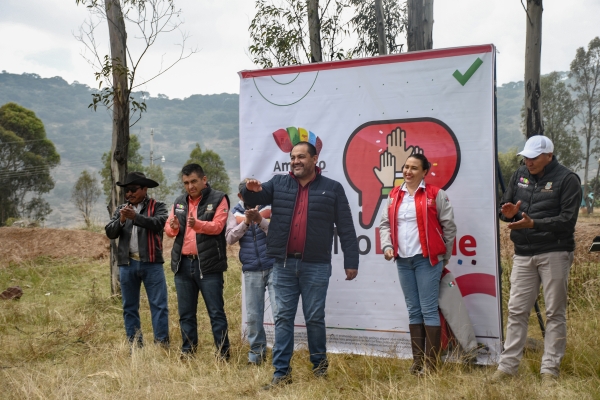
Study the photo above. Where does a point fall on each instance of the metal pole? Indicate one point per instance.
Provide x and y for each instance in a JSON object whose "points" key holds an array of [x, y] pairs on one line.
{"points": [[540, 319]]}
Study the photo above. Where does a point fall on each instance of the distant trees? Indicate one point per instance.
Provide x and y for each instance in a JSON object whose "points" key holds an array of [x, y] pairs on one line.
{"points": [[135, 162], [163, 191], [213, 166], [585, 70], [364, 24], [118, 71], [26, 158], [301, 31], [559, 114], [509, 163], [84, 195]]}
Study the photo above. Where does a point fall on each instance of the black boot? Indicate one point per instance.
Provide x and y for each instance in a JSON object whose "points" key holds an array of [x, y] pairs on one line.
{"points": [[417, 342], [433, 347]]}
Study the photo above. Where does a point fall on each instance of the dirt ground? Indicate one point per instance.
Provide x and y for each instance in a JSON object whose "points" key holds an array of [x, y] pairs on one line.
{"points": [[24, 244]]}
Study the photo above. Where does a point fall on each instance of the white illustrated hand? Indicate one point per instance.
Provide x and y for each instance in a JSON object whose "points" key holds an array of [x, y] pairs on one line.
{"points": [[387, 173]]}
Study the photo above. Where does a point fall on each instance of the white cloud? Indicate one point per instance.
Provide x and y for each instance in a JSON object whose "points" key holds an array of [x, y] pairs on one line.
{"points": [[40, 39]]}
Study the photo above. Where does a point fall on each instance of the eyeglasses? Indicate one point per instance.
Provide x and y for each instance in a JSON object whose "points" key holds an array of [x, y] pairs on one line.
{"points": [[132, 189]]}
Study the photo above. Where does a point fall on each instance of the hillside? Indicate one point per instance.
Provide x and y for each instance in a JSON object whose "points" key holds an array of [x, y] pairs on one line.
{"points": [[81, 135]]}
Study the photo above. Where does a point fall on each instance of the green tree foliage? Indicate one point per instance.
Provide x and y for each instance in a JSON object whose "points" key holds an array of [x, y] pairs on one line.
{"points": [[279, 30], [26, 158], [163, 191], [559, 111], [279, 33], [84, 195], [134, 163], [364, 25], [585, 70], [509, 162], [213, 167]]}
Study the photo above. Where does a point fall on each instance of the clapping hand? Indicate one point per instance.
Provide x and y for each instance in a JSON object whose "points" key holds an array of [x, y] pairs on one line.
{"points": [[509, 210], [253, 215], [126, 212]]}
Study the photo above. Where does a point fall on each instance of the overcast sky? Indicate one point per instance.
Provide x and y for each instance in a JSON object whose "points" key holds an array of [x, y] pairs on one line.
{"points": [[37, 37]]}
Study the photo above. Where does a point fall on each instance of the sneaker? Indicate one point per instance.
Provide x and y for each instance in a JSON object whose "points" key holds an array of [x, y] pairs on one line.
{"points": [[549, 380], [500, 376], [321, 370], [320, 373], [278, 381]]}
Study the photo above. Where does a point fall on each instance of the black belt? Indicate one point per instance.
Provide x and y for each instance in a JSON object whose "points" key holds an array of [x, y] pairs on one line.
{"points": [[190, 256], [294, 255]]}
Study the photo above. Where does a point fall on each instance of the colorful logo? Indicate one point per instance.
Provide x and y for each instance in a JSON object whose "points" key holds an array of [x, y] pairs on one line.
{"points": [[287, 138], [376, 152]]}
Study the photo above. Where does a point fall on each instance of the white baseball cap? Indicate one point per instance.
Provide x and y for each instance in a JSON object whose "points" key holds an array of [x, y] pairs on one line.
{"points": [[537, 145]]}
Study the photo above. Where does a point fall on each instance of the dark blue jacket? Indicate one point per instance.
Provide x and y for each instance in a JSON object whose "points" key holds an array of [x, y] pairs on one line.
{"points": [[327, 208], [253, 247]]}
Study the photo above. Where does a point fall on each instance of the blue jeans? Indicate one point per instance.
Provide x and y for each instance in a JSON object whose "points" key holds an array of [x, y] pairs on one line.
{"points": [[188, 284], [293, 279], [255, 283], [153, 276], [420, 282]]}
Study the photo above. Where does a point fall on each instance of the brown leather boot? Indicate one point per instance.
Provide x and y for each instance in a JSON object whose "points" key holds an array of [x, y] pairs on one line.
{"points": [[417, 342], [432, 348]]}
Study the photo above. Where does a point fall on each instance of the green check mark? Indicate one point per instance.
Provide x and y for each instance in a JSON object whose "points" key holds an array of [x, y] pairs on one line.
{"points": [[462, 79]]}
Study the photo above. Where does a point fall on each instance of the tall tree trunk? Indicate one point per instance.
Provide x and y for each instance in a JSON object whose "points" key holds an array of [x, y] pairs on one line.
{"points": [[533, 53], [380, 17], [314, 30], [586, 169], [120, 129], [419, 33]]}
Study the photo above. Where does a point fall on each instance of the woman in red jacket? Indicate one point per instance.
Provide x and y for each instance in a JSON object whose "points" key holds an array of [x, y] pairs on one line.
{"points": [[417, 230]]}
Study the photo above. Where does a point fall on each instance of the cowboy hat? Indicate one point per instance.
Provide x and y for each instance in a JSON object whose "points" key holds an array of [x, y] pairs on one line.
{"points": [[138, 178]]}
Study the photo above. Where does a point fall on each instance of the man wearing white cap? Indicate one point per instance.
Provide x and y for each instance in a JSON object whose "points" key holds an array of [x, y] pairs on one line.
{"points": [[541, 204]]}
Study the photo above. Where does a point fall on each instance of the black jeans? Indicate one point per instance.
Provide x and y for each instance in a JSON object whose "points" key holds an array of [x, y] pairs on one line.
{"points": [[188, 284]]}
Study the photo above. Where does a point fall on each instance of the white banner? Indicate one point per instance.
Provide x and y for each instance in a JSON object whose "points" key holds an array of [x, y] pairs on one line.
{"points": [[438, 102]]}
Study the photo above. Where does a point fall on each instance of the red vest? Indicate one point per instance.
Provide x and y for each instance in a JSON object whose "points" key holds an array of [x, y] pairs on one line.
{"points": [[431, 235]]}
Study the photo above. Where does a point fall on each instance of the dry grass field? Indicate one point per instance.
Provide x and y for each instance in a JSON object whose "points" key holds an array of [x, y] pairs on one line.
{"points": [[65, 340]]}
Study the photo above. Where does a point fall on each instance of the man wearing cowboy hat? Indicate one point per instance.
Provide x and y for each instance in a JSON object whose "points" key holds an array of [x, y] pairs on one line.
{"points": [[138, 224]]}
